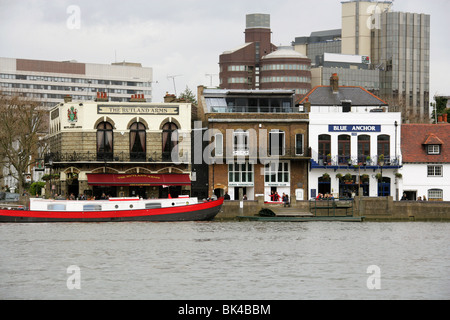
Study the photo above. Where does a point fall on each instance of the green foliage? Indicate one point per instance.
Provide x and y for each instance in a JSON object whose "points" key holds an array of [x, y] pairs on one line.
{"points": [[36, 188], [188, 96], [441, 108], [348, 177]]}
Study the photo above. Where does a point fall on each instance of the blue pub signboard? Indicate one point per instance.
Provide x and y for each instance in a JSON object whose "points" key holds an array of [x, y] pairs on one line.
{"points": [[353, 128]]}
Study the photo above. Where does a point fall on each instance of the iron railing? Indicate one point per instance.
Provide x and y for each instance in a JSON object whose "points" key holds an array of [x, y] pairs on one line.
{"points": [[360, 160], [71, 157]]}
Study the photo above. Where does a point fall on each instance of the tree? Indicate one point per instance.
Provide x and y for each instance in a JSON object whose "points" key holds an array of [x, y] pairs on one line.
{"points": [[188, 96], [441, 105], [22, 124]]}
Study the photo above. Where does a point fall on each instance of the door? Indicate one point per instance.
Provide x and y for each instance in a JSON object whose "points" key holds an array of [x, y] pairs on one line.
{"points": [[384, 188]]}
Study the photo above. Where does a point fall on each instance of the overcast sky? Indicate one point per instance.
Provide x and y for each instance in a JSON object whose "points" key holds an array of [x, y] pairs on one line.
{"points": [[182, 38]]}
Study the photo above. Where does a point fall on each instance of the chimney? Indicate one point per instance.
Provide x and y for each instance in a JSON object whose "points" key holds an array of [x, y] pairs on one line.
{"points": [[307, 106], [445, 115], [102, 97], [138, 98], [439, 119], [334, 83], [168, 98], [67, 98]]}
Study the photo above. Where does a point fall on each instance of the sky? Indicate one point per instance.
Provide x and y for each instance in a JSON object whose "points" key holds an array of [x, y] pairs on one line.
{"points": [[182, 39]]}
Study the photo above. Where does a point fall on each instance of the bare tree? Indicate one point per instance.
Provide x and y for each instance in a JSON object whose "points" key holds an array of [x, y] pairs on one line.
{"points": [[22, 124]]}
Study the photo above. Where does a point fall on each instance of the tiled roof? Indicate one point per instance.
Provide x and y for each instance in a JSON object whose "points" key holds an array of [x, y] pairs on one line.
{"points": [[432, 139], [416, 137], [324, 96]]}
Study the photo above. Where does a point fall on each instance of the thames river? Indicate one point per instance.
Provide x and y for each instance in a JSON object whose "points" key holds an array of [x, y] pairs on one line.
{"points": [[225, 260]]}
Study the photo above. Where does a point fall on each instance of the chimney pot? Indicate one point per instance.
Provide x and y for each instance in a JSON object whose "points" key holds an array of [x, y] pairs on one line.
{"points": [[334, 83]]}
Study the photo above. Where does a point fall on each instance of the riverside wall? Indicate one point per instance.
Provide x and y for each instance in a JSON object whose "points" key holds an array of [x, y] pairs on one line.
{"points": [[373, 209]]}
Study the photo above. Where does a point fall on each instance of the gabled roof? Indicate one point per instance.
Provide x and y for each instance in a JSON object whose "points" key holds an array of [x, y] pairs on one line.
{"points": [[432, 139], [324, 96], [416, 138]]}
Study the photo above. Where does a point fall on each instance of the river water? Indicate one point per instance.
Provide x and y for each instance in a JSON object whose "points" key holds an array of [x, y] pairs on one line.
{"points": [[225, 260]]}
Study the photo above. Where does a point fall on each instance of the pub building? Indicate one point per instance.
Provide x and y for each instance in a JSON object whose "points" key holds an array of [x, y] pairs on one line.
{"points": [[354, 141], [119, 149], [258, 143]]}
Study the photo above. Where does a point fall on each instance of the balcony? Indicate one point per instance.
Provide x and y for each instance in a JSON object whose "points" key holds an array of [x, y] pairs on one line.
{"points": [[122, 157], [337, 162]]}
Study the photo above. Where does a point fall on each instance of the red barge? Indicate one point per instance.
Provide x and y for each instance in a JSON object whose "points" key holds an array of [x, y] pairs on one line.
{"points": [[114, 210]]}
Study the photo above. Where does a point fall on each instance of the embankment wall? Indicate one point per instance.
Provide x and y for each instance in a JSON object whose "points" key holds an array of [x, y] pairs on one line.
{"points": [[373, 209]]}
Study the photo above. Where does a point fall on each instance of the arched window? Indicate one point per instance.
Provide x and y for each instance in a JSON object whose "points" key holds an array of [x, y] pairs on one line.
{"points": [[105, 142], [384, 146], [324, 146], [137, 142], [169, 139], [363, 148], [344, 151]]}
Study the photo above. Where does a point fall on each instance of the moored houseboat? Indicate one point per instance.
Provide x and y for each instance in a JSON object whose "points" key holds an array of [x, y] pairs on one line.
{"points": [[114, 210]]}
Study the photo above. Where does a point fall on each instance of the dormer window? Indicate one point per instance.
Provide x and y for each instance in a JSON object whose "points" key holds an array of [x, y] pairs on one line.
{"points": [[434, 149]]}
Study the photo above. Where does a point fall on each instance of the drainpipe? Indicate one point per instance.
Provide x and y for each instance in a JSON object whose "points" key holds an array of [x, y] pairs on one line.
{"points": [[396, 126]]}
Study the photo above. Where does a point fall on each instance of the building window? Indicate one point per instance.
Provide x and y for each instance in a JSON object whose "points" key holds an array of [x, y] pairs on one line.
{"points": [[363, 148], [344, 148], [435, 171], [169, 140], [239, 173], [384, 146], [276, 143], [277, 172], [137, 142], [237, 80], [434, 149], [240, 143], [324, 146], [104, 141], [299, 144], [435, 195]]}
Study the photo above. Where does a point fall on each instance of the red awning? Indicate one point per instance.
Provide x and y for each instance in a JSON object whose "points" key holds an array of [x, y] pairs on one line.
{"points": [[142, 180]]}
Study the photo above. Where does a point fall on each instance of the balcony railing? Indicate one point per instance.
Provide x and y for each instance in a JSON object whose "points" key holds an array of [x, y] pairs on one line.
{"points": [[354, 161], [86, 157], [254, 109]]}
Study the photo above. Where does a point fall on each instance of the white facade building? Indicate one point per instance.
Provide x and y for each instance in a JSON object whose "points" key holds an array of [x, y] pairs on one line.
{"points": [[351, 144], [352, 139], [51, 81], [124, 149], [426, 165]]}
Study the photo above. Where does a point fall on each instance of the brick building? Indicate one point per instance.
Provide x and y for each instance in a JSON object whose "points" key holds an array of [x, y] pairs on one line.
{"points": [[120, 148], [258, 64], [258, 142]]}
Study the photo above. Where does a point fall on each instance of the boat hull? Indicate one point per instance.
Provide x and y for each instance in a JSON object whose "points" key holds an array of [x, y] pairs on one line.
{"points": [[198, 212]]}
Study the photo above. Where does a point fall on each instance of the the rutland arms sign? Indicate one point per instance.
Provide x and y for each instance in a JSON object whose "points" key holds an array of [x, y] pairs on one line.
{"points": [[139, 109]]}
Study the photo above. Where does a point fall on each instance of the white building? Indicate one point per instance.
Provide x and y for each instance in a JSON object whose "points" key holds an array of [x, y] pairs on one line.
{"points": [[426, 161], [352, 137], [51, 81], [121, 149]]}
